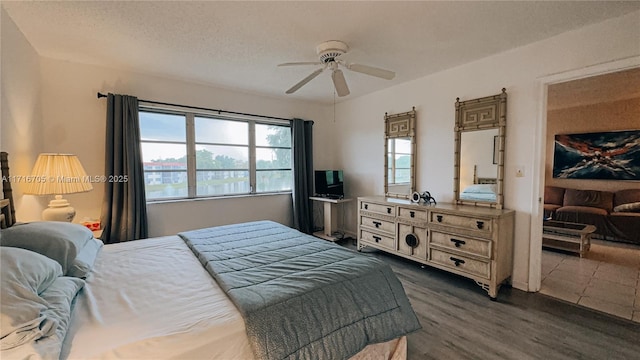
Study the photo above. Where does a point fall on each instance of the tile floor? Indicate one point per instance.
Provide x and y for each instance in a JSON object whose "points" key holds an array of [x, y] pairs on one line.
{"points": [[607, 279]]}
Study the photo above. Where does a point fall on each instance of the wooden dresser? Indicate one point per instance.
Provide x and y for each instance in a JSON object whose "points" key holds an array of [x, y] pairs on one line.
{"points": [[475, 242]]}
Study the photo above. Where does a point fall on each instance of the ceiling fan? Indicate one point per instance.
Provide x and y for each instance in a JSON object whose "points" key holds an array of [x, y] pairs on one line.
{"points": [[329, 53]]}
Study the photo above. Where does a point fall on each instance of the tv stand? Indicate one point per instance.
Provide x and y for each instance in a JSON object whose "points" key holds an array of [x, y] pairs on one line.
{"points": [[330, 216], [333, 197]]}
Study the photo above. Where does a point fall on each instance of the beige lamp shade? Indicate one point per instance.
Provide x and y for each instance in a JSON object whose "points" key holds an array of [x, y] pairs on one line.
{"points": [[57, 174]]}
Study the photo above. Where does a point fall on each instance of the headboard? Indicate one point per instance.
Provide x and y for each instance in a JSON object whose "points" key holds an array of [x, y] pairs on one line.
{"points": [[482, 180], [7, 206]]}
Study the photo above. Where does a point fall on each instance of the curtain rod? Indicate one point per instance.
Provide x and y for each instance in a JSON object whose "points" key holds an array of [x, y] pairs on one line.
{"points": [[100, 95]]}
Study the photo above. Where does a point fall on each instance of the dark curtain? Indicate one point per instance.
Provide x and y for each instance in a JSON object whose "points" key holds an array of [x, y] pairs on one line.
{"points": [[124, 208], [302, 146]]}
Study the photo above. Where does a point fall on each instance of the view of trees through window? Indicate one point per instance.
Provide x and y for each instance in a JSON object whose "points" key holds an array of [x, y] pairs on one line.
{"points": [[222, 156]]}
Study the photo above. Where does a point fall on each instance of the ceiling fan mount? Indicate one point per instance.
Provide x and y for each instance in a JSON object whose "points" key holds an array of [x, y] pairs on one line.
{"points": [[329, 53], [329, 50]]}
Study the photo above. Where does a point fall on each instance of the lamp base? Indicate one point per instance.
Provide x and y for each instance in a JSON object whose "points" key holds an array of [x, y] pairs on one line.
{"points": [[59, 210]]}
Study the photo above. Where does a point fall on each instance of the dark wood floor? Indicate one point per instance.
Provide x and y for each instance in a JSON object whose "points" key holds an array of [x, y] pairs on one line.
{"points": [[460, 322]]}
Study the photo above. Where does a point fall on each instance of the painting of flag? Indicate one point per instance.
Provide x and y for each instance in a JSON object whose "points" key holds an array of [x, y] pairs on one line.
{"points": [[602, 155]]}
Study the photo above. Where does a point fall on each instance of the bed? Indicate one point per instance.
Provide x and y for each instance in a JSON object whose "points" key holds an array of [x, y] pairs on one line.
{"points": [[482, 189], [167, 298]]}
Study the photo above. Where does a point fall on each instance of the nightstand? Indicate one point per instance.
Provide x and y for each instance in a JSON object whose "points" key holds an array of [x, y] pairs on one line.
{"points": [[97, 233]]}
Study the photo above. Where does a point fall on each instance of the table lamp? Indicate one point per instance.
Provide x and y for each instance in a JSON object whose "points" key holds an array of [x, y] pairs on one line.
{"points": [[57, 174]]}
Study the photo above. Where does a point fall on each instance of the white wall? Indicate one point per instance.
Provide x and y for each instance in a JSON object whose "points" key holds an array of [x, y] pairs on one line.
{"points": [[74, 122], [21, 120], [360, 121]]}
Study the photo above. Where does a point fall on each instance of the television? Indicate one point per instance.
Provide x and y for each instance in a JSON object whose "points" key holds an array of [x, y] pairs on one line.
{"points": [[329, 183]]}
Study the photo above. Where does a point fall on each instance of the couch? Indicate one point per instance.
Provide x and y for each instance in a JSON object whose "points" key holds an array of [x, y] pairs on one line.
{"points": [[616, 215]]}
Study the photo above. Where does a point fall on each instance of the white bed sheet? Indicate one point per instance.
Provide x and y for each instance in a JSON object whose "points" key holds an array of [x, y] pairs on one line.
{"points": [[152, 299]]}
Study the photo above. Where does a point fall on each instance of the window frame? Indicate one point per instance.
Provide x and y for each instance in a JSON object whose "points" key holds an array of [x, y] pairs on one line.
{"points": [[190, 141]]}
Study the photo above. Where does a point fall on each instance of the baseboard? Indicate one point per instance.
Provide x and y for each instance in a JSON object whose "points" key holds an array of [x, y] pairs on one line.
{"points": [[350, 234], [520, 285]]}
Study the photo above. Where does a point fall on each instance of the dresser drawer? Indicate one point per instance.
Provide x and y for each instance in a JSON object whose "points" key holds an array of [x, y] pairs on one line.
{"points": [[460, 263], [461, 243], [460, 221], [412, 214], [378, 239], [384, 225], [377, 208]]}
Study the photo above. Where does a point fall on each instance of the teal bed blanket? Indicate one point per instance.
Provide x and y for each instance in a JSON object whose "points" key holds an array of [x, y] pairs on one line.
{"points": [[302, 297]]}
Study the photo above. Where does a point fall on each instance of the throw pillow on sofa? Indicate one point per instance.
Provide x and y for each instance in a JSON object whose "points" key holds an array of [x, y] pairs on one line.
{"points": [[630, 207]]}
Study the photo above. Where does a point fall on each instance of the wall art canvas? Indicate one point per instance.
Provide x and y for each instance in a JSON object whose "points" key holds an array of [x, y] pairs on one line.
{"points": [[602, 155]]}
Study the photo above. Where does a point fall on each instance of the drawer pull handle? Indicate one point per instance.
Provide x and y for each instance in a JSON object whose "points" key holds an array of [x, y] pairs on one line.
{"points": [[366, 206], [377, 238], [388, 210], [457, 242], [480, 224], [412, 214], [439, 217], [377, 224], [456, 261]]}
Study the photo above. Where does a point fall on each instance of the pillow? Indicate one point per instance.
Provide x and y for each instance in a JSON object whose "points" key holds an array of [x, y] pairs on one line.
{"points": [[480, 189], [25, 274], [60, 241], [59, 297], [82, 265], [630, 207]]}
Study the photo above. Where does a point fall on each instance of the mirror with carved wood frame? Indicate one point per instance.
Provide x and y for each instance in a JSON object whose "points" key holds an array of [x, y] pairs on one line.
{"points": [[480, 150], [400, 154]]}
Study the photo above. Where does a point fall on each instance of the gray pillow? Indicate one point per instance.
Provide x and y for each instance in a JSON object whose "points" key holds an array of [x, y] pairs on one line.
{"points": [[25, 274], [60, 241], [83, 263]]}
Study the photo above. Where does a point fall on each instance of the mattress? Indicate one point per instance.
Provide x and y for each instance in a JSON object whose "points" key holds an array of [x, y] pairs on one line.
{"points": [[152, 299]]}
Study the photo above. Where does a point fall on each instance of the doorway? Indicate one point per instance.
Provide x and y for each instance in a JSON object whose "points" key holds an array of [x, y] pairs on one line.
{"points": [[607, 278]]}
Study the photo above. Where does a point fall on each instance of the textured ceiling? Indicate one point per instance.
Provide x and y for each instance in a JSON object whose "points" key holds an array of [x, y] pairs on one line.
{"points": [[238, 44]]}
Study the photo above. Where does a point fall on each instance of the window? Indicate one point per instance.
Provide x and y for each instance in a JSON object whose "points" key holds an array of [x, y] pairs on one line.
{"points": [[188, 155], [273, 158], [399, 161]]}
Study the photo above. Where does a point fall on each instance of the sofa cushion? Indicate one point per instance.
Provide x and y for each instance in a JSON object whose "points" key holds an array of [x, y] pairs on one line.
{"points": [[582, 210], [589, 198], [626, 196], [553, 195]]}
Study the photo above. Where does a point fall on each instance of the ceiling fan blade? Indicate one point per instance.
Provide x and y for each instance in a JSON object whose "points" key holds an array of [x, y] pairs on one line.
{"points": [[373, 71], [340, 83], [301, 63], [297, 86]]}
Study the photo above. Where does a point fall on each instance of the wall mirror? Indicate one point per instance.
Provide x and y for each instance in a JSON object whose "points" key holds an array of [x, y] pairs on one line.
{"points": [[479, 150], [400, 154]]}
